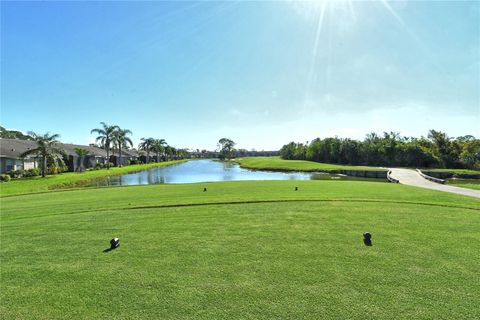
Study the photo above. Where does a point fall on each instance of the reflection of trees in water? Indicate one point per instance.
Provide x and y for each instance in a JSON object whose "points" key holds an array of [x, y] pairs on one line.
{"points": [[155, 177], [228, 166], [152, 177]]}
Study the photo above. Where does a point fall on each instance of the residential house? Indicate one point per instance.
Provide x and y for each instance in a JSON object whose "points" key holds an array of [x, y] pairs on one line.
{"points": [[12, 149], [10, 155], [96, 155]]}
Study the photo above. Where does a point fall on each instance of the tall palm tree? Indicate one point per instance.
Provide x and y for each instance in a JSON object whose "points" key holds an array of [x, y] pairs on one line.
{"points": [[45, 148], [106, 135], [121, 140], [159, 147], [147, 145]]}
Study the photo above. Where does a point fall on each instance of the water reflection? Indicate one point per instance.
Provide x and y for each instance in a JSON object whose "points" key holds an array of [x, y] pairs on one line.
{"points": [[210, 171]]}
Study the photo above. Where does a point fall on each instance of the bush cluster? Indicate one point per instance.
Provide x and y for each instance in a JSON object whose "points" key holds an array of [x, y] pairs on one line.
{"points": [[134, 162], [98, 166], [16, 174], [24, 173], [4, 177], [32, 172]]}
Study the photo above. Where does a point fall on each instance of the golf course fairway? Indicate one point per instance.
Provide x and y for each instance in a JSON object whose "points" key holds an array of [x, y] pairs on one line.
{"points": [[241, 250]]}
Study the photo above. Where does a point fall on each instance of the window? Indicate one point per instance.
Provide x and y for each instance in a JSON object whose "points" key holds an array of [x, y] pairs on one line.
{"points": [[9, 166]]}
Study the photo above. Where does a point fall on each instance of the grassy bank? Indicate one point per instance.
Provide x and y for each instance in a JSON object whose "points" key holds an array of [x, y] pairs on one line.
{"points": [[465, 183], [70, 179], [278, 164], [262, 251], [455, 171]]}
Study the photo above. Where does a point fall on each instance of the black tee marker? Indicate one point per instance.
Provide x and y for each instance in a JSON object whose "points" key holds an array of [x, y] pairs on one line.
{"points": [[367, 239], [114, 243]]}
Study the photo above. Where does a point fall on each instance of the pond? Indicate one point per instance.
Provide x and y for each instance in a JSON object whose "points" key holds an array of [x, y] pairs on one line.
{"points": [[211, 171]]}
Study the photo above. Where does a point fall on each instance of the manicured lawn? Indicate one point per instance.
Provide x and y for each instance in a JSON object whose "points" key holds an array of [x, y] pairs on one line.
{"points": [[276, 163], [70, 179], [458, 171], [241, 250], [465, 183]]}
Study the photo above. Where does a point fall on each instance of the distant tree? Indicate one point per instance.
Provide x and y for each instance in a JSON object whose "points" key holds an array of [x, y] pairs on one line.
{"points": [[45, 148], [147, 146], [159, 147], [287, 152], [121, 140], [106, 136], [182, 153], [169, 151], [443, 147], [13, 134], [471, 154], [226, 147]]}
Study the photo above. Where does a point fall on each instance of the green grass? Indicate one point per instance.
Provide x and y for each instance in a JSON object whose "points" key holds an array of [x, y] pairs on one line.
{"points": [[457, 171], [70, 179], [276, 163], [465, 183], [241, 250]]}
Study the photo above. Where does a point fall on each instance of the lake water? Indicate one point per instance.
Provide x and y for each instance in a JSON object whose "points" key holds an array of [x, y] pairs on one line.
{"points": [[210, 171]]}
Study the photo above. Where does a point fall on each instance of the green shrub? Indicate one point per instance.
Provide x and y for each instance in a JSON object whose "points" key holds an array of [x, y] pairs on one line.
{"points": [[4, 177], [54, 169], [32, 172], [111, 164], [16, 174], [98, 166], [135, 162]]}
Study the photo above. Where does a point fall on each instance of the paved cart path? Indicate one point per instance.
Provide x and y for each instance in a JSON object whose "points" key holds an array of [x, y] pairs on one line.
{"points": [[412, 178]]}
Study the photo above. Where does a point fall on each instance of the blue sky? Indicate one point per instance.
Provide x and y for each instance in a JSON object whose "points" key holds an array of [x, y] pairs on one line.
{"points": [[260, 73]]}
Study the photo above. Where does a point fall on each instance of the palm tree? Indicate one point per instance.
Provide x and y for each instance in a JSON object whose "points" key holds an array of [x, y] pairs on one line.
{"points": [[182, 153], [169, 150], [146, 145], [45, 148], [120, 140], [81, 156], [106, 136], [159, 147]]}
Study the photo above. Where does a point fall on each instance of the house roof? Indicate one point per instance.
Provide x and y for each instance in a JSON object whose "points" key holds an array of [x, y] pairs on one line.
{"points": [[13, 148], [131, 152], [69, 149]]}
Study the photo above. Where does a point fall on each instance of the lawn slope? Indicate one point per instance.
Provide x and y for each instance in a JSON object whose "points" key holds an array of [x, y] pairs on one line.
{"points": [[241, 250], [278, 164], [71, 179], [465, 183]]}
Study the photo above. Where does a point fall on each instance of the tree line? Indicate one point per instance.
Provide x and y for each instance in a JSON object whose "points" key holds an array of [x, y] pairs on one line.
{"points": [[114, 138], [437, 150]]}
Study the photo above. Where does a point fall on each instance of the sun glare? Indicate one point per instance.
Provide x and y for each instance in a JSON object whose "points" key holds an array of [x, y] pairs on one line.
{"points": [[333, 18]]}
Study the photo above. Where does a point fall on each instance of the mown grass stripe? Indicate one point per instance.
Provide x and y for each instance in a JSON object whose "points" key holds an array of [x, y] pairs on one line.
{"points": [[199, 204]]}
